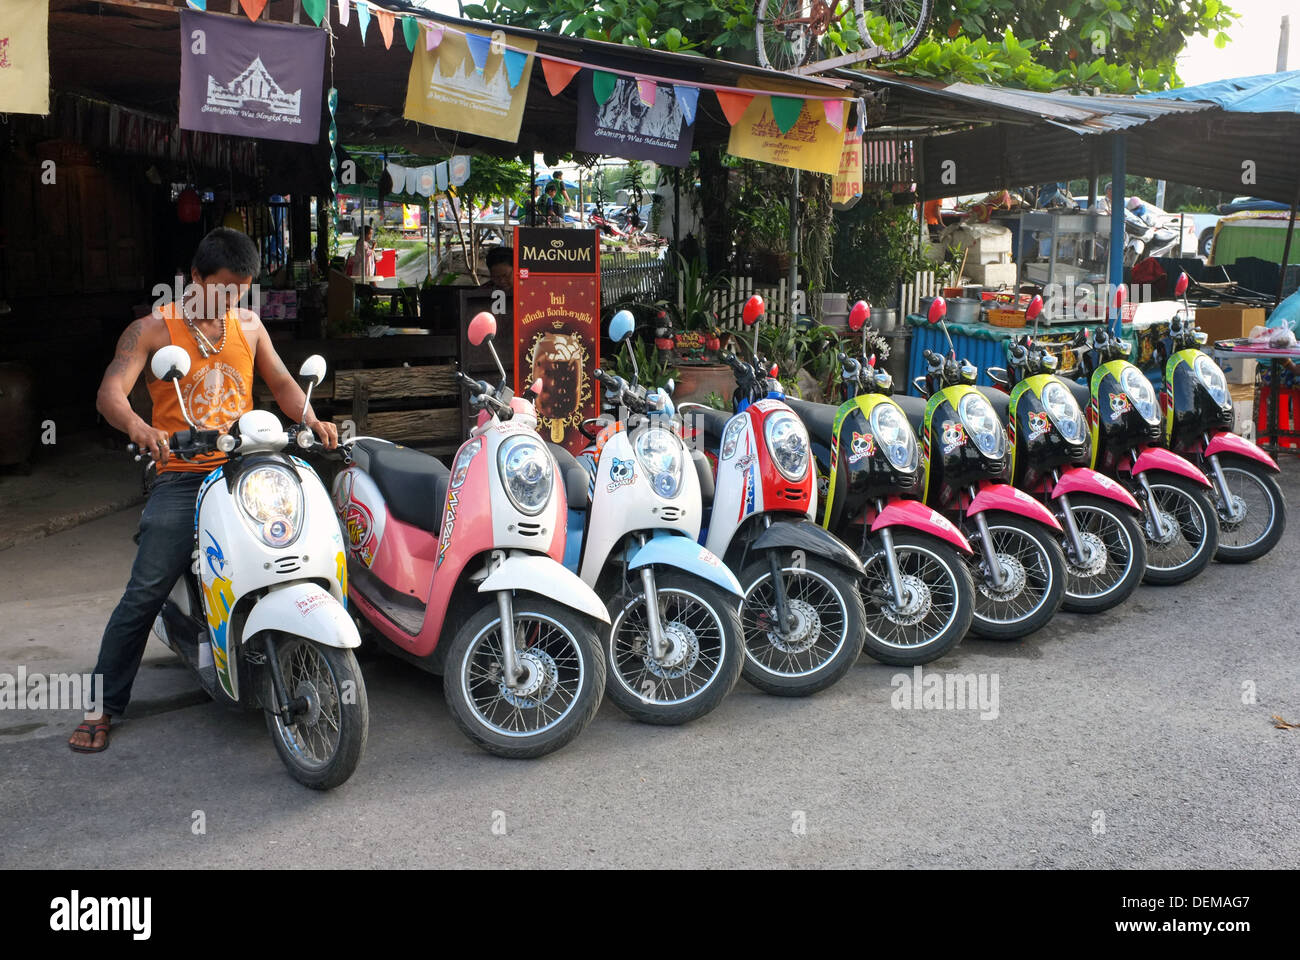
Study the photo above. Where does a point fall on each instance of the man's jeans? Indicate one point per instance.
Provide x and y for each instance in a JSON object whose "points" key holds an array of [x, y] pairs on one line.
{"points": [[166, 548]]}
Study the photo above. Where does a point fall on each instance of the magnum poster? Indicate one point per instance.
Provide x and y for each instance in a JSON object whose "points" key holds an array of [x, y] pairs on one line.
{"points": [[557, 326]]}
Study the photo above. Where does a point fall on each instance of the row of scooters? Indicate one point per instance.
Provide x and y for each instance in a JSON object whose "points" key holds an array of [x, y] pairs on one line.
{"points": [[686, 546]]}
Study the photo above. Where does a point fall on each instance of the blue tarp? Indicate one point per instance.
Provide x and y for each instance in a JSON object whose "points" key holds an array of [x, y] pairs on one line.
{"points": [[1267, 93]]}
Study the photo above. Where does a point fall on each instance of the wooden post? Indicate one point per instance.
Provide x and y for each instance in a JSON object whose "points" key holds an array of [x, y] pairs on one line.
{"points": [[360, 405]]}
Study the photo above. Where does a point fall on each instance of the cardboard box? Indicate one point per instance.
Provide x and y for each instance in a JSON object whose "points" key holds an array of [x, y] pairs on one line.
{"points": [[987, 242], [1243, 370], [1229, 320], [992, 274]]}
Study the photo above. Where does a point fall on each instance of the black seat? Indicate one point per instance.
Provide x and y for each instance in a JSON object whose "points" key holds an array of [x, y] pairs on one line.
{"points": [[576, 478], [1082, 393], [914, 409], [819, 418], [712, 422], [413, 484], [1001, 402]]}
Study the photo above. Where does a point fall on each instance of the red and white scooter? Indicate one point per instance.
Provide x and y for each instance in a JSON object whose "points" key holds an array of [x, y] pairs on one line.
{"points": [[460, 572]]}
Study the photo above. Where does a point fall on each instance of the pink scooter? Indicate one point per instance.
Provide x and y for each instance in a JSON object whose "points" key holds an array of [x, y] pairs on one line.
{"points": [[459, 571]]}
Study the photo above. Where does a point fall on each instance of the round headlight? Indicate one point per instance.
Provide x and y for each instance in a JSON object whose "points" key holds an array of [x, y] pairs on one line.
{"points": [[1208, 372], [894, 434], [1064, 411], [271, 498], [787, 443], [527, 473], [660, 454], [1140, 392], [983, 425]]}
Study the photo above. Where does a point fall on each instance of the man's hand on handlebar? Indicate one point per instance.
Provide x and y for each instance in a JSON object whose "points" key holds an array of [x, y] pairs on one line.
{"points": [[327, 432], [149, 440]]}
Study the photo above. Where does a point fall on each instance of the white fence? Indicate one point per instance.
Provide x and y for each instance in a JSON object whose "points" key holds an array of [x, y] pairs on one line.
{"points": [[729, 303], [926, 284]]}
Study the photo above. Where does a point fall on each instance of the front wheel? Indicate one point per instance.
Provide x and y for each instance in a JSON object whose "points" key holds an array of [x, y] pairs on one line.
{"points": [[825, 639], [1115, 556], [1181, 528], [323, 744], [937, 605], [702, 662], [1033, 578], [1254, 522], [562, 678]]}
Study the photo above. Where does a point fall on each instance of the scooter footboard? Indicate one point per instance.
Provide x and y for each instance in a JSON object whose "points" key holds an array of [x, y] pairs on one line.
{"points": [[538, 573], [304, 610], [807, 536], [677, 550]]}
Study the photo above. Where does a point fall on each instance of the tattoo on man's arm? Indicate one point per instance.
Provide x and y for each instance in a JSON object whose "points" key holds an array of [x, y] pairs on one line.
{"points": [[127, 345]]}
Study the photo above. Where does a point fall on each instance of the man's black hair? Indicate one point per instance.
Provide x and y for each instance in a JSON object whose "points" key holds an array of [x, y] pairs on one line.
{"points": [[500, 255], [550, 187], [227, 249]]}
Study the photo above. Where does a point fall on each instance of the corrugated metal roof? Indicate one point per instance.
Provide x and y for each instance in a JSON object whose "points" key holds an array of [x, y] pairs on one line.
{"points": [[1265, 93]]}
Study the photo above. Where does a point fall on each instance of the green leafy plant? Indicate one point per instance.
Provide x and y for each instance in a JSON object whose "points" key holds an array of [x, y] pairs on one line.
{"points": [[876, 247], [698, 290], [717, 401], [654, 370]]}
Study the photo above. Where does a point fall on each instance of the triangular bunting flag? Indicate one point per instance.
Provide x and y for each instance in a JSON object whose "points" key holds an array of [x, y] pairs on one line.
{"points": [[253, 8], [345, 12], [479, 47], [733, 104], [410, 32], [558, 75], [515, 62], [432, 36], [363, 17], [687, 98], [198, 4], [602, 84], [834, 113], [385, 27], [315, 9], [785, 111], [647, 89]]}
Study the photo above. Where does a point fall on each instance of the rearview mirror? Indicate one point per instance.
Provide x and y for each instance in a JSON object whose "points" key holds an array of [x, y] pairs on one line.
{"points": [[1034, 309], [859, 315], [1181, 286], [621, 326], [938, 310], [754, 309], [483, 325], [170, 362], [313, 369]]}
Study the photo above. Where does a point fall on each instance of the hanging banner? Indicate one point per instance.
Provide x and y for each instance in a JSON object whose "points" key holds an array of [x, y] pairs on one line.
{"points": [[557, 326], [445, 89], [810, 144], [251, 80], [25, 56], [846, 185], [627, 126]]}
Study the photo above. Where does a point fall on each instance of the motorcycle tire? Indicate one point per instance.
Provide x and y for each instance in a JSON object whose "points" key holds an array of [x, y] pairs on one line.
{"points": [[1119, 529], [1196, 507], [1048, 580], [828, 639], [1269, 494]]}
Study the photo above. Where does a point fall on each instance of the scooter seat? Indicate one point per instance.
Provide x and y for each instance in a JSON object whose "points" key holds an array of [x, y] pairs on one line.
{"points": [[914, 409], [999, 401], [819, 418], [576, 479], [704, 470], [413, 484], [1082, 393], [711, 422]]}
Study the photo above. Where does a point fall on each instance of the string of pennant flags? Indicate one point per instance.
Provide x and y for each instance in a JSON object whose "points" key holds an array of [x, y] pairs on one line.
{"points": [[560, 71]]}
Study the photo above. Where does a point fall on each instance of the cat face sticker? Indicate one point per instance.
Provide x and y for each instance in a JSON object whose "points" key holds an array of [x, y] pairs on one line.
{"points": [[1119, 405], [953, 436], [621, 473], [863, 446], [1039, 424]]}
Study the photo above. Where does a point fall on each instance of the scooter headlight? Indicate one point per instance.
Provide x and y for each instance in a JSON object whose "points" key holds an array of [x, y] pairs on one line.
{"points": [[527, 473], [894, 435], [1208, 372], [731, 436], [271, 498], [983, 425], [1064, 411], [660, 454], [1140, 392], [787, 442]]}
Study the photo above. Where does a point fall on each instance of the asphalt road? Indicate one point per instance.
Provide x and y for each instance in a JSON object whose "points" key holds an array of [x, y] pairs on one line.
{"points": [[1120, 741]]}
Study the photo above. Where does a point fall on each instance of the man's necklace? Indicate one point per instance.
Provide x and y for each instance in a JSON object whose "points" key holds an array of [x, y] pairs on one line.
{"points": [[206, 349]]}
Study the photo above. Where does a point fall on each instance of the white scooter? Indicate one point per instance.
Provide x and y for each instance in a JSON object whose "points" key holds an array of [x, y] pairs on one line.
{"points": [[261, 617]]}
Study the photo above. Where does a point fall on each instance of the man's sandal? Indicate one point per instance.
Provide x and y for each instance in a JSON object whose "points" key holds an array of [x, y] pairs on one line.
{"points": [[91, 727]]}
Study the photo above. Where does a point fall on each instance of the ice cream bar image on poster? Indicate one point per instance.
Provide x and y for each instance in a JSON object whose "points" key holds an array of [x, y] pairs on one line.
{"points": [[558, 362]]}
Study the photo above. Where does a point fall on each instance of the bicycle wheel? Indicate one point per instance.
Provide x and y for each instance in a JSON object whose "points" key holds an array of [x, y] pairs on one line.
{"points": [[783, 33], [908, 21]]}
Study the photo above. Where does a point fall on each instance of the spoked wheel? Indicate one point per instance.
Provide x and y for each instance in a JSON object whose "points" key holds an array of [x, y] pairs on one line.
{"points": [[1114, 560], [703, 660], [825, 640], [937, 604], [1184, 543], [1252, 524], [1033, 583], [908, 21], [558, 691], [322, 745], [785, 33]]}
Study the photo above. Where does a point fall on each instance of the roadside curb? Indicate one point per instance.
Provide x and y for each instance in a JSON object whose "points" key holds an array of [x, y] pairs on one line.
{"points": [[67, 521]]}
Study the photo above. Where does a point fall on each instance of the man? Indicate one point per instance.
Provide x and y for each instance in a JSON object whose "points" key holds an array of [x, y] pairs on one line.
{"points": [[363, 255], [552, 209], [501, 270], [561, 194], [1135, 204], [226, 344]]}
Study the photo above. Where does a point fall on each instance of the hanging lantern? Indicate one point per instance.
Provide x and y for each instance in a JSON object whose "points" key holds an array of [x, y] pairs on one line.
{"points": [[188, 206]]}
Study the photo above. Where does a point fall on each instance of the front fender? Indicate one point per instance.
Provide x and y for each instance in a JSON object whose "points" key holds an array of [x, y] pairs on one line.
{"points": [[538, 573], [1083, 480], [1230, 444], [915, 514], [807, 536], [678, 550], [1003, 496], [1158, 458], [304, 610]]}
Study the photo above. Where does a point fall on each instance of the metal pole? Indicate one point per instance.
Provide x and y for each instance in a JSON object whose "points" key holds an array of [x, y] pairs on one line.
{"points": [[1119, 153], [794, 245], [1286, 247], [1283, 44]]}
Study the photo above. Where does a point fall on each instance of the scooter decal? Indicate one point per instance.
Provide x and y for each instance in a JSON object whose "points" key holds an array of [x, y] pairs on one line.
{"points": [[360, 524], [747, 500], [863, 446], [218, 600], [1119, 405], [621, 473], [448, 526], [1039, 424], [208, 481], [341, 575], [954, 436]]}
